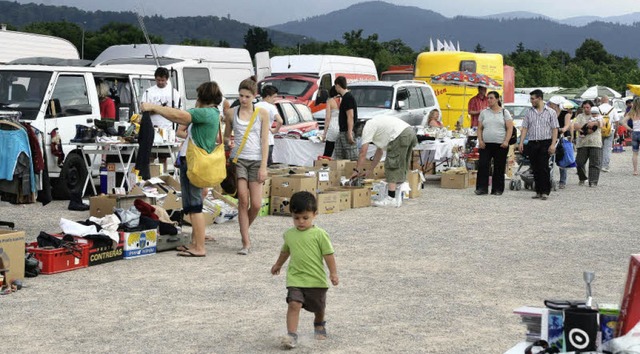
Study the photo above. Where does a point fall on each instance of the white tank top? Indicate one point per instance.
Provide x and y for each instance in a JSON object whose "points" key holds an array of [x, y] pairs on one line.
{"points": [[252, 149]]}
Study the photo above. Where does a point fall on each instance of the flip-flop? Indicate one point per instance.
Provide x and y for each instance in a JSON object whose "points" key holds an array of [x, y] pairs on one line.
{"points": [[210, 238], [190, 254], [182, 248]]}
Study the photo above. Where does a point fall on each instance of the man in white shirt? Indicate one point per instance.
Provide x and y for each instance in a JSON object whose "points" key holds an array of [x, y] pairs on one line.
{"points": [[268, 94], [398, 139], [607, 142], [164, 95]]}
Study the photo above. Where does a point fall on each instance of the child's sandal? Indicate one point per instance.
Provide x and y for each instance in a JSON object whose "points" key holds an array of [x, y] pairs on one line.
{"points": [[319, 330]]}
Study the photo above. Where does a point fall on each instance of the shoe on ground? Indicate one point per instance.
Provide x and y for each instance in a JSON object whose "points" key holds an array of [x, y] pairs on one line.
{"points": [[496, 193], [604, 169], [544, 197], [537, 196], [562, 186], [593, 185], [480, 192], [77, 206], [581, 183], [290, 341], [386, 202], [243, 251]]}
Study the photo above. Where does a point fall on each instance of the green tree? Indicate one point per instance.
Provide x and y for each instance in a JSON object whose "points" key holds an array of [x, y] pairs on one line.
{"points": [[197, 42], [594, 50], [257, 40], [479, 49], [114, 34], [362, 47], [572, 76]]}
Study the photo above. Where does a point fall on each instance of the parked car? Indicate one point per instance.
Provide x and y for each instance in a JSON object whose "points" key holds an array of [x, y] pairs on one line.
{"points": [[295, 116], [517, 110], [409, 100]]}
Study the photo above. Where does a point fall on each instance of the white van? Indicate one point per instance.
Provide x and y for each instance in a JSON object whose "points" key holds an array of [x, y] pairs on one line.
{"points": [[300, 77], [18, 45], [189, 65], [61, 97]]}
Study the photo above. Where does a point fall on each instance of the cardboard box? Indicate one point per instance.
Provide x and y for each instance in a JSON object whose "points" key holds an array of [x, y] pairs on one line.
{"points": [[100, 253], [416, 160], [454, 180], [630, 304], [344, 196], [140, 243], [348, 168], [334, 165], [285, 186], [328, 202], [473, 177], [360, 196], [279, 206], [102, 205], [12, 254], [327, 179], [277, 171], [378, 171], [415, 183], [266, 188], [156, 169]]}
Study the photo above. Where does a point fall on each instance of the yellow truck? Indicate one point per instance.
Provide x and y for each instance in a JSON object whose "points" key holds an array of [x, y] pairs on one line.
{"points": [[454, 99]]}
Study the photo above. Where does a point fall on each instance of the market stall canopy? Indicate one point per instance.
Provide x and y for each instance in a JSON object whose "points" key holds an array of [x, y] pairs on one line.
{"points": [[585, 93], [465, 78], [599, 91]]}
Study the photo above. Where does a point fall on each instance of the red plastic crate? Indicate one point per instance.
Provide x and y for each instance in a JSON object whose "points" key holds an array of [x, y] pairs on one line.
{"points": [[59, 260]]}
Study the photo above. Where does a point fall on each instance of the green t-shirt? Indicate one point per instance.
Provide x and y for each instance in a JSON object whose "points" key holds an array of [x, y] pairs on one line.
{"points": [[306, 261], [205, 123]]}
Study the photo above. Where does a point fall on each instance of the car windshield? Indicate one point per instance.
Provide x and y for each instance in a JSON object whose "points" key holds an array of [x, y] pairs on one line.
{"points": [[23, 91], [372, 96], [517, 112], [289, 87]]}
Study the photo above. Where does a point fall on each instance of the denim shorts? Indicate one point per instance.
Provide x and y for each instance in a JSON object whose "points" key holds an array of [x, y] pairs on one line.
{"points": [[635, 141], [191, 195]]}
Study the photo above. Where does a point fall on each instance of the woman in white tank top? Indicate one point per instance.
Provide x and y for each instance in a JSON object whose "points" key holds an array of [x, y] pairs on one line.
{"points": [[634, 115], [251, 167]]}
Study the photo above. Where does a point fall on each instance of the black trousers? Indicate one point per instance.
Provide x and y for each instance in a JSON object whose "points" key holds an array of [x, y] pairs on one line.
{"points": [[538, 151], [145, 142], [492, 152]]}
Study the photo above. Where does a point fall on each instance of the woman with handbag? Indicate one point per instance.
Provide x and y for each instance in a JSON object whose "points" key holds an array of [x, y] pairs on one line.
{"points": [[495, 127], [250, 153], [203, 122]]}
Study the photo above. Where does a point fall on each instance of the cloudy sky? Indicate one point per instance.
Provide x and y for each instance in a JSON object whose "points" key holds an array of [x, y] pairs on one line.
{"points": [[266, 13]]}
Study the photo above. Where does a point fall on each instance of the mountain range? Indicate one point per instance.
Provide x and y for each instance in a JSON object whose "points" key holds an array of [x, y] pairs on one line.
{"points": [[500, 33], [415, 26]]}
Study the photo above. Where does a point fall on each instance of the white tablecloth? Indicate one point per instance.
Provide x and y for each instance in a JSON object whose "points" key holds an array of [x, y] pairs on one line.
{"points": [[299, 152], [441, 149], [296, 152]]}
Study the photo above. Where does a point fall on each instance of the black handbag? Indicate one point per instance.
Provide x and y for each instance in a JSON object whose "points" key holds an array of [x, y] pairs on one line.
{"points": [[514, 131]]}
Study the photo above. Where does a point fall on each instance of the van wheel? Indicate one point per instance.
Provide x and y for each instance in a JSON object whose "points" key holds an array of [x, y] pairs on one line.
{"points": [[74, 173]]}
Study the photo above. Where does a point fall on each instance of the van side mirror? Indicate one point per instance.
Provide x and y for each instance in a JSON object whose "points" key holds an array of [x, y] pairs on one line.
{"points": [[53, 108], [322, 96]]}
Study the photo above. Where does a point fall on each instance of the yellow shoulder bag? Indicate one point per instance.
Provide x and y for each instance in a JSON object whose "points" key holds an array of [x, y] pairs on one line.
{"points": [[206, 169]]}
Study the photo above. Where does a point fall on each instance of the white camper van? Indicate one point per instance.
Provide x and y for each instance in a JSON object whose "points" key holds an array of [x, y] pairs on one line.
{"points": [[18, 45], [299, 77], [189, 65], [61, 97]]}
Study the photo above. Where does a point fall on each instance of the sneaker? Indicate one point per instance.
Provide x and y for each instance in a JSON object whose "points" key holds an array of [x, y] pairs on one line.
{"points": [[290, 341], [243, 251], [593, 185], [581, 183], [386, 202], [604, 169], [544, 197], [480, 192], [537, 196], [562, 186]]}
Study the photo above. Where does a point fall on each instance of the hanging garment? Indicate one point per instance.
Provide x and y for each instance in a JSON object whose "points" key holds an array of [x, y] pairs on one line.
{"points": [[14, 142], [36, 152], [145, 141], [44, 195]]}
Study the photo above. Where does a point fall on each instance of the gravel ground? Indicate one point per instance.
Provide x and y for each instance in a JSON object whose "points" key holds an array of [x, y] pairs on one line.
{"points": [[442, 274]]}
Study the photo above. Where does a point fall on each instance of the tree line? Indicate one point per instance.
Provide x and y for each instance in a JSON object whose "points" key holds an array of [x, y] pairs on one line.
{"points": [[590, 65]]}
